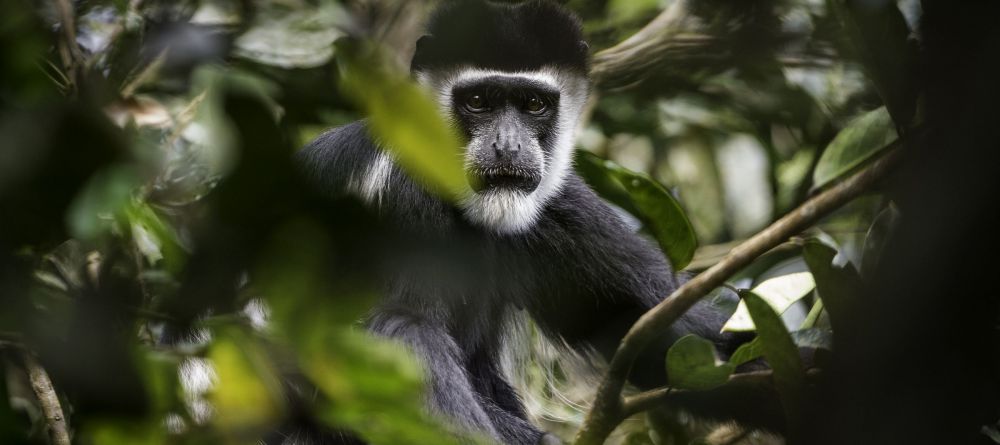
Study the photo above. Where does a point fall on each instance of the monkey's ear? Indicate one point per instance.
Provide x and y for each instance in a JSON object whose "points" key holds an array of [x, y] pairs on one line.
{"points": [[421, 54], [584, 46], [424, 40]]}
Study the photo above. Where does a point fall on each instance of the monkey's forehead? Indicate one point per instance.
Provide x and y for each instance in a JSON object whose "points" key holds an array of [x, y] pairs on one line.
{"points": [[520, 37]]}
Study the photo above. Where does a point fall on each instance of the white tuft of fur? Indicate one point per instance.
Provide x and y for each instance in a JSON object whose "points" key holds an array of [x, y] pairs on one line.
{"points": [[511, 211], [258, 314], [198, 377], [506, 211], [373, 184]]}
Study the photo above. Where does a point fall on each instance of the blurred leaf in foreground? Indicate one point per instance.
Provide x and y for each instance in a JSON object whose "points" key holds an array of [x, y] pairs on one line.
{"points": [[371, 386], [640, 195], [405, 120], [246, 400]]}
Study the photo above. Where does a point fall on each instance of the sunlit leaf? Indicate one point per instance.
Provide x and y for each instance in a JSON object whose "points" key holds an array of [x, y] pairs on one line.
{"points": [[640, 195], [780, 352], [246, 397], [405, 120], [692, 364], [779, 292], [862, 139]]}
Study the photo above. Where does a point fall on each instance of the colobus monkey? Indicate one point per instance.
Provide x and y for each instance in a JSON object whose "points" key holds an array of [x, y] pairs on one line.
{"points": [[528, 236]]}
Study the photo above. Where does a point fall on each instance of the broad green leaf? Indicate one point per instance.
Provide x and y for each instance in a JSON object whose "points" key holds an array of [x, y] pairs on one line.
{"points": [[691, 364], [779, 351], [779, 293], [878, 35], [640, 195], [859, 141], [838, 284], [406, 121]]}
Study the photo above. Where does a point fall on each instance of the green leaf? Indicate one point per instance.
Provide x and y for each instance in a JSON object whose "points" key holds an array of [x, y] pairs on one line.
{"points": [[101, 205], [780, 352], [862, 139], [406, 121], [370, 385], [691, 364], [837, 283], [247, 396], [779, 292], [154, 238], [879, 37], [640, 195], [813, 338], [748, 351]]}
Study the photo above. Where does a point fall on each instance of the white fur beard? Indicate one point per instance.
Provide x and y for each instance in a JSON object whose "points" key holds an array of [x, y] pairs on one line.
{"points": [[504, 211]]}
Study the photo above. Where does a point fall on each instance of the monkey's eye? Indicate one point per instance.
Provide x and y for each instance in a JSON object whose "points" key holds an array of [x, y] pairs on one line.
{"points": [[534, 105], [476, 103]]}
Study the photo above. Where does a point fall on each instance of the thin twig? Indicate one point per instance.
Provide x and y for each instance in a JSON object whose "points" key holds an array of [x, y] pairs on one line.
{"points": [[69, 52], [609, 406], [41, 384]]}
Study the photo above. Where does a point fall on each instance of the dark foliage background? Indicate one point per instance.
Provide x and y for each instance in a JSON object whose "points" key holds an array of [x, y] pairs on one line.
{"points": [[145, 187]]}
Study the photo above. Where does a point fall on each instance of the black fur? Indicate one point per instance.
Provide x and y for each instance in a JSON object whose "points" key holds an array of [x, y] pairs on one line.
{"points": [[525, 36]]}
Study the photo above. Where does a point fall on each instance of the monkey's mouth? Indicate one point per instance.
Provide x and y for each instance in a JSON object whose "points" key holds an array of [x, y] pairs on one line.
{"points": [[503, 178]]}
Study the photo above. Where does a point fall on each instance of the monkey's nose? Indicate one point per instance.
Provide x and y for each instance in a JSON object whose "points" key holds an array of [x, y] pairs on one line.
{"points": [[506, 150]]}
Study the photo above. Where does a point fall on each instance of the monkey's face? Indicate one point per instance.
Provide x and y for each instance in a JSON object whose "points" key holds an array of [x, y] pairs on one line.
{"points": [[508, 122], [519, 130]]}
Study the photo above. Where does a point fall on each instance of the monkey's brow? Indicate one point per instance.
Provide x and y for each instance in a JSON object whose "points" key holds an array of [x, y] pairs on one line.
{"points": [[507, 83]]}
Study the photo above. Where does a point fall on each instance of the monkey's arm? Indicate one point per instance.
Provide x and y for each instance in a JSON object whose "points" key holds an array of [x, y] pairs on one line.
{"points": [[450, 391], [604, 276]]}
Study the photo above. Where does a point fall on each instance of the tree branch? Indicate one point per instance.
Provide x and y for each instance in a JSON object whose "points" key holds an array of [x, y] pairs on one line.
{"points": [[41, 384], [609, 406], [631, 60], [69, 51]]}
